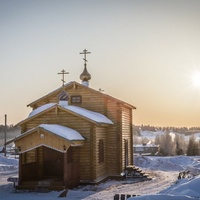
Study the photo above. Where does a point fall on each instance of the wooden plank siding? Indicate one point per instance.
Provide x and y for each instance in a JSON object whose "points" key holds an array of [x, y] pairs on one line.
{"points": [[34, 140], [101, 167], [113, 138], [126, 135], [90, 100]]}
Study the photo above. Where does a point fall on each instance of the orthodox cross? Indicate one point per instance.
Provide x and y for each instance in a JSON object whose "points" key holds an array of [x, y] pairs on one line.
{"points": [[85, 51], [63, 72]]}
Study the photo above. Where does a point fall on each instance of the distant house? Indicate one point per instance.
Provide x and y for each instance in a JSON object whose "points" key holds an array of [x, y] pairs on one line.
{"points": [[74, 135], [146, 149]]}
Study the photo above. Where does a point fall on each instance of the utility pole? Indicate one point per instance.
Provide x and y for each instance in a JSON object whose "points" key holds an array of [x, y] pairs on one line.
{"points": [[5, 135]]}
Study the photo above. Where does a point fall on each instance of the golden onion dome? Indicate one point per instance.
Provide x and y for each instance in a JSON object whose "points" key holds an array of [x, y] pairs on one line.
{"points": [[85, 76]]}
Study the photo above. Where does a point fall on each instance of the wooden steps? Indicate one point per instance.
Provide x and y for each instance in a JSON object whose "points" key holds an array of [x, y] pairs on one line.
{"points": [[132, 171]]}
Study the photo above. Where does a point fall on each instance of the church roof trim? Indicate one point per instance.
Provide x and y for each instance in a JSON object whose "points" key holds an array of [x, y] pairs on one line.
{"points": [[59, 130], [71, 83]]}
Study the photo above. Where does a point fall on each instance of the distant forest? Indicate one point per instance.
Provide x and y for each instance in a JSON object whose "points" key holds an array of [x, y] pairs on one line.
{"points": [[183, 130], [11, 132]]}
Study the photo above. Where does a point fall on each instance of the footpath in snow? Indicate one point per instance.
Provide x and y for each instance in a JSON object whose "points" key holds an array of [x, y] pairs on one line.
{"points": [[164, 185]]}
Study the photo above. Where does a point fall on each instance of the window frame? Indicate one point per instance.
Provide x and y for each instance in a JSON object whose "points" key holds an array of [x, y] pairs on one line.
{"points": [[76, 99]]}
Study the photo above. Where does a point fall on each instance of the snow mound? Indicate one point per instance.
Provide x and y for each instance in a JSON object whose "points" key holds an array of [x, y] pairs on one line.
{"points": [[8, 164], [8, 161], [177, 163], [157, 163], [186, 187]]}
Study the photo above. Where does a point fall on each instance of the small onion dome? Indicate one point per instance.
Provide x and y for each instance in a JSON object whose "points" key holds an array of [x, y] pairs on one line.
{"points": [[63, 96], [85, 76]]}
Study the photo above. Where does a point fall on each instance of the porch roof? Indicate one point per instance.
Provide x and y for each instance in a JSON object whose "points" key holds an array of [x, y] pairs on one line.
{"points": [[61, 131], [54, 136]]}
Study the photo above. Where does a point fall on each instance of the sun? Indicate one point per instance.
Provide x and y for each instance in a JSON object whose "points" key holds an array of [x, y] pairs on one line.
{"points": [[196, 79]]}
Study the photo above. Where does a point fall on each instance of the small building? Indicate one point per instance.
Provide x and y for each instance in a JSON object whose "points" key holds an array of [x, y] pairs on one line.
{"points": [[145, 149], [74, 135]]}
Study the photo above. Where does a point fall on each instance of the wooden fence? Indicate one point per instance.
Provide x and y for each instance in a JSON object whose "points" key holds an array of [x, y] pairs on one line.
{"points": [[123, 196]]}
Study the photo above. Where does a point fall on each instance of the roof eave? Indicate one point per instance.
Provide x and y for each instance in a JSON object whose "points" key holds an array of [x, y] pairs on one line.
{"points": [[36, 115], [86, 118], [50, 94]]}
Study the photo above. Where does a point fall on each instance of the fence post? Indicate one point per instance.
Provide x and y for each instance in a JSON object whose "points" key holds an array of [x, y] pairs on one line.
{"points": [[116, 197], [123, 196]]}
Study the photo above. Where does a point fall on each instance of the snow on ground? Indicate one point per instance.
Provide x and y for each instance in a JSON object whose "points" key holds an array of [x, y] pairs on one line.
{"points": [[8, 165], [164, 184]]}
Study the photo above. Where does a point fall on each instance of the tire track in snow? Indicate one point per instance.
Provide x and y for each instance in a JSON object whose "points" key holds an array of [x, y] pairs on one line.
{"points": [[161, 180]]}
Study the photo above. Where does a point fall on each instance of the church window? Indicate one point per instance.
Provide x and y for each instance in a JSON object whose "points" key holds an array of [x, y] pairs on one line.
{"points": [[76, 99], [101, 151]]}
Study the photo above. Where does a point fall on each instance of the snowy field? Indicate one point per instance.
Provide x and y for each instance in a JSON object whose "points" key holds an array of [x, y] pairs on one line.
{"points": [[163, 186]]}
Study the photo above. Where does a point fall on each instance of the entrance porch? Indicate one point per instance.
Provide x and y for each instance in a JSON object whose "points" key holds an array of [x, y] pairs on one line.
{"points": [[48, 168]]}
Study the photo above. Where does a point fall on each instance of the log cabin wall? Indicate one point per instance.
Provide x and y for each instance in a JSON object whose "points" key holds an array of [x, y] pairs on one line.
{"points": [[113, 138], [101, 157], [71, 121], [89, 100], [31, 164], [34, 140], [127, 137]]}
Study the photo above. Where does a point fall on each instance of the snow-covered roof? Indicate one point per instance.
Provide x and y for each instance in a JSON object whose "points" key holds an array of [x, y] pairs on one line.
{"points": [[97, 117], [62, 131], [94, 116], [41, 109]]}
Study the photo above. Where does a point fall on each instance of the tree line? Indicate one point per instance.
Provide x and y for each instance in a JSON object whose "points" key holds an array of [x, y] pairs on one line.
{"points": [[171, 142], [168, 128]]}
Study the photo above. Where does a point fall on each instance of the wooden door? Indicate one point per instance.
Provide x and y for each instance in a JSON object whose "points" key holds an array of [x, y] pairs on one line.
{"points": [[53, 163]]}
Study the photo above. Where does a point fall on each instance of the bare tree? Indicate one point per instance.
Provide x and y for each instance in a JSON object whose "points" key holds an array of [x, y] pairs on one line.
{"points": [[167, 144], [181, 145], [193, 147]]}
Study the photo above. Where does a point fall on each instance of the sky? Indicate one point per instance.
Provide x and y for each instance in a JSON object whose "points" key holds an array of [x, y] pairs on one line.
{"points": [[143, 52]]}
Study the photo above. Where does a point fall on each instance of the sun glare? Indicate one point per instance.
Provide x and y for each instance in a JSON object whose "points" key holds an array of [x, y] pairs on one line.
{"points": [[196, 79]]}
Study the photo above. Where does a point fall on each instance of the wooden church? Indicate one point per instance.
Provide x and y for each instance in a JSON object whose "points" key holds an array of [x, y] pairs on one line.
{"points": [[74, 135]]}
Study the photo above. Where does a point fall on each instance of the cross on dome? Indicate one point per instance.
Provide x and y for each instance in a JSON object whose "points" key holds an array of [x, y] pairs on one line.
{"points": [[63, 72], [85, 52], [85, 76]]}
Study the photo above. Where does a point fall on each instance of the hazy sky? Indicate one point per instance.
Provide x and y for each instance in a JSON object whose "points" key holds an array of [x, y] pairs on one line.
{"points": [[144, 52]]}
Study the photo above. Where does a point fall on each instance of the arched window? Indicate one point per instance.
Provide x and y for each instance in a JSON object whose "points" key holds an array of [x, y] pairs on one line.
{"points": [[101, 151]]}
